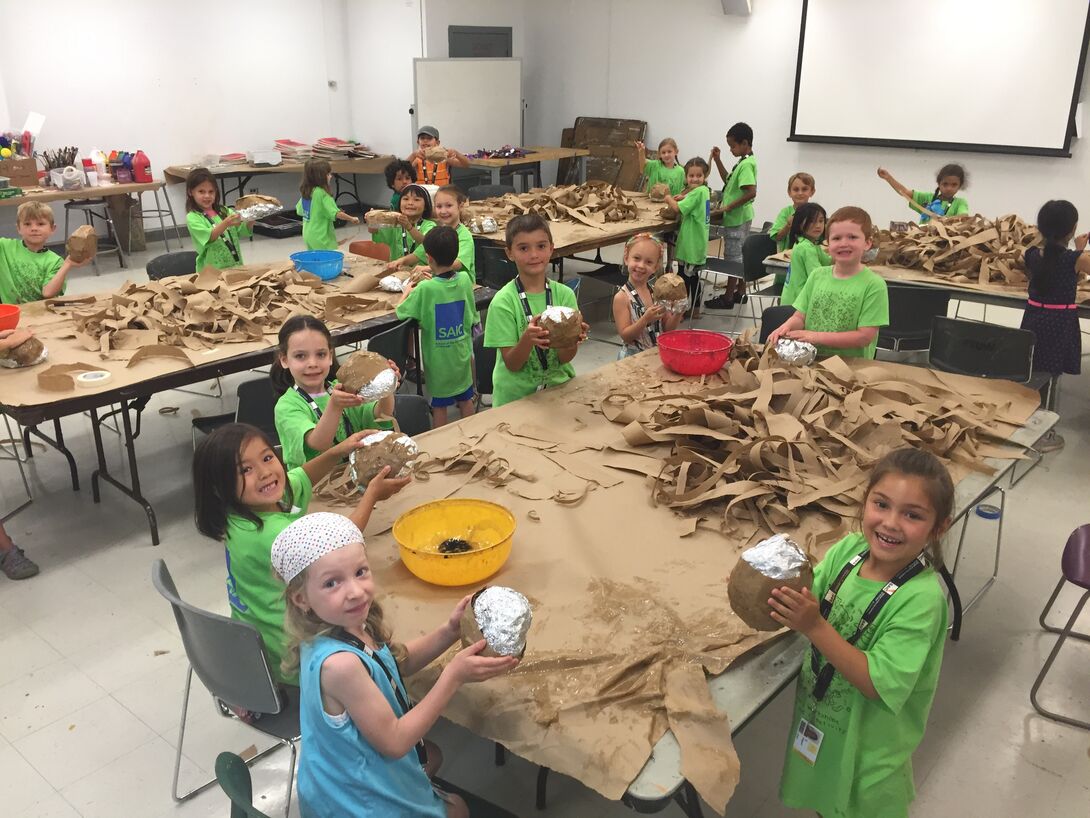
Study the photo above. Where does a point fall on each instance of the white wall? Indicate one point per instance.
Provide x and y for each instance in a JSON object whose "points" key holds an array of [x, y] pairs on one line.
{"points": [[439, 14], [722, 69]]}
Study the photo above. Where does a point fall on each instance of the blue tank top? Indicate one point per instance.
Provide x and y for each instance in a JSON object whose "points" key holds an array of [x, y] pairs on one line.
{"points": [[340, 773]]}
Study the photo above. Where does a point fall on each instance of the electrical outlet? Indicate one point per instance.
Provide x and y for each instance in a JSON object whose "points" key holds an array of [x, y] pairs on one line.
{"points": [[253, 190]]}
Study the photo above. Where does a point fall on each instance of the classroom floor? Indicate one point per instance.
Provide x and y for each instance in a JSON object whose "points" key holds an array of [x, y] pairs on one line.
{"points": [[91, 666]]}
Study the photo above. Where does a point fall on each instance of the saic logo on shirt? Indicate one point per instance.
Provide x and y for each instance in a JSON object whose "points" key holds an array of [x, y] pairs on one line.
{"points": [[450, 322]]}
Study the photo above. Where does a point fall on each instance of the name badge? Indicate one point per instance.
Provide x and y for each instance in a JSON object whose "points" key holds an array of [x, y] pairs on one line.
{"points": [[807, 741]]}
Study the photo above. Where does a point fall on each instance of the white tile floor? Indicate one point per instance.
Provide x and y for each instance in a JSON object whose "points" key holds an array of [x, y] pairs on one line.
{"points": [[91, 667]]}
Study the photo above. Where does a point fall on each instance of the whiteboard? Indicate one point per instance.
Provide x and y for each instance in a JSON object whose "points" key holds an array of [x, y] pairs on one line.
{"points": [[990, 75], [475, 103]]}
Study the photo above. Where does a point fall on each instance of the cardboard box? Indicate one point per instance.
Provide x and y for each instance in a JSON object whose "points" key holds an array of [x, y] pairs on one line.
{"points": [[22, 170]]}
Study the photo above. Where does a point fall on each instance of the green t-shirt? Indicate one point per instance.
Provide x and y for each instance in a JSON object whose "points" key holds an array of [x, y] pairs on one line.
{"points": [[294, 419], [692, 233], [467, 252], [833, 304], [24, 273], [659, 174], [955, 207], [744, 174], [505, 325], [255, 594], [778, 225], [395, 202], [318, 220], [445, 311], [805, 258], [399, 240], [864, 765], [217, 254]]}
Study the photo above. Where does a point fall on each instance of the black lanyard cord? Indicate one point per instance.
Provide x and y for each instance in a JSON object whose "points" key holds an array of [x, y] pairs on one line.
{"points": [[637, 302], [313, 404], [226, 236], [542, 355], [824, 674], [344, 636]]}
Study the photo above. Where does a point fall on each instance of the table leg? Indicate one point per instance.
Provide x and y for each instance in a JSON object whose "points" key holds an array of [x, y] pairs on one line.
{"points": [[495, 176], [55, 443], [349, 182], [542, 781], [689, 801], [583, 168], [132, 492]]}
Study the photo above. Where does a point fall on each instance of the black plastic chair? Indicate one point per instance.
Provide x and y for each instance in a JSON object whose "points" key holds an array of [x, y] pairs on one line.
{"points": [[755, 249], [394, 345], [256, 406], [983, 351], [229, 658], [484, 364], [1075, 568], [182, 263], [772, 318], [478, 192], [911, 311], [412, 413], [494, 268]]}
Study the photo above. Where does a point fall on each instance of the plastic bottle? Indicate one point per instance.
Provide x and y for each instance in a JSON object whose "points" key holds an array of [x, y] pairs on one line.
{"points": [[141, 167], [89, 174]]}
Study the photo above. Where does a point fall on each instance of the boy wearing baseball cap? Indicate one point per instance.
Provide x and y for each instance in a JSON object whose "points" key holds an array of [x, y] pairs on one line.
{"points": [[428, 170]]}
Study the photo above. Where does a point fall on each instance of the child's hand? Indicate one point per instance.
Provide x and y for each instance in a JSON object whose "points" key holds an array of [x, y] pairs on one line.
{"points": [[1081, 241], [642, 148], [234, 220], [454, 624], [393, 365], [883, 174], [775, 336], [73, 263], [382, 486], [14, 337], [804, 335], [467, 666], [585, 333], [797, 610], [654, 313], [403, 220], [536, 334], [341, 399], [391, 267], [715, 152], [353, 441], [352, 219]]}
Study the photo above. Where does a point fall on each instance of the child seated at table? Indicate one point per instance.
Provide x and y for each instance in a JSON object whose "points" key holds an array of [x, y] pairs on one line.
{"points": [[217, 230], [447, 209], [800, 189], [399, 175], [318, 207], [443, 306], [841, 308], [526, 362], [403, 240], [365, 747], [29, 272], [245, 496], [313, 412]]}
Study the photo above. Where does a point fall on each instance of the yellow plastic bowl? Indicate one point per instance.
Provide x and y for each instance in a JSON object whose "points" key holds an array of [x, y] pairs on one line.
{"points": [[489, 527]]}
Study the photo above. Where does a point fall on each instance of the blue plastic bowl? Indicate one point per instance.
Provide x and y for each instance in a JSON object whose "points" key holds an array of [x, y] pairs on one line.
{"points": [[326, 264]]}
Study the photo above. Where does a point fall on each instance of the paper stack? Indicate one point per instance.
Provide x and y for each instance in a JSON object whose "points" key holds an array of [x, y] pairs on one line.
{"points": [[331, 147], [232, 159], [293, 151]]}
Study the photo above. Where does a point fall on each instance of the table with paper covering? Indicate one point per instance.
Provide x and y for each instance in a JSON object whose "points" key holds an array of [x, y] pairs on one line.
{"points": [[158, 335], [623, 558]]}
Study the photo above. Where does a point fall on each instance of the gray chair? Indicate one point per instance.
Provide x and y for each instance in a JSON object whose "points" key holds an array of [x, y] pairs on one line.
{"points": [[484, 364], [138, 211], [229, 658], [256, 406], [772, 318], [182, 263], [93, 209], [412, 413], [394, 344], [478, 192]]}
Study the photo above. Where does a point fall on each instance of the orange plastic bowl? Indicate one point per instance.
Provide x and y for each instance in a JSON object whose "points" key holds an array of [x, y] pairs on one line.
{"points": [[694, 351], [9, 316]]}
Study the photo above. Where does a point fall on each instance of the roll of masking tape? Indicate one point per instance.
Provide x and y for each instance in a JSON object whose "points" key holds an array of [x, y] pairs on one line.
{"points": [[96, 377]]}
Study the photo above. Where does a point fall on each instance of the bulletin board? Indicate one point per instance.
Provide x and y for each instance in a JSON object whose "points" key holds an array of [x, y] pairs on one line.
{"points": [[475, 103]]}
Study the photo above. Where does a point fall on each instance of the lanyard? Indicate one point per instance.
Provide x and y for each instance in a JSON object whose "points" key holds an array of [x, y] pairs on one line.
{"points": [[824, 675], [637, 302], [344, 636], [736, 164], [406, 247], [226, 236], [318, 412], [542, 355]]}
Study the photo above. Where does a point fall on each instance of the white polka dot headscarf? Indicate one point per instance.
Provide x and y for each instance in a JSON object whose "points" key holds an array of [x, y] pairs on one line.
{"points": [[308, 539]]}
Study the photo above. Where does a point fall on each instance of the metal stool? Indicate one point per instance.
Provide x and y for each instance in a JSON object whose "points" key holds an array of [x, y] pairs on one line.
{"points": [[529, 174], [89, 208], [140, 212]]}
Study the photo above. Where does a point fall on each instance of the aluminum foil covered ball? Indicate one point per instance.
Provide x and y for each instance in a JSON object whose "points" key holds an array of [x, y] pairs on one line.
{"points": [[30, 352], [368, 375], [796, 353], [771, 563], [564, 324], [379, 450], [501, 616]]}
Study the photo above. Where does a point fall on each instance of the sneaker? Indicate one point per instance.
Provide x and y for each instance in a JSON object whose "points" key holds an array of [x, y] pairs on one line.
{"points": [[1050, 443], [720, 302], [17, 565]]}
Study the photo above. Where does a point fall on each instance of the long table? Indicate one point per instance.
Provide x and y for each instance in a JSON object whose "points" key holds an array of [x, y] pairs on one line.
{"points": [[344, 173], [535, 155], [615, 582], [29, 406]]}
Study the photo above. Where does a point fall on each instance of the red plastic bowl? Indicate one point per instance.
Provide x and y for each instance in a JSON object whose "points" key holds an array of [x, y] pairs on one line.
{"points": [[694, 351], [9, 316]]}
